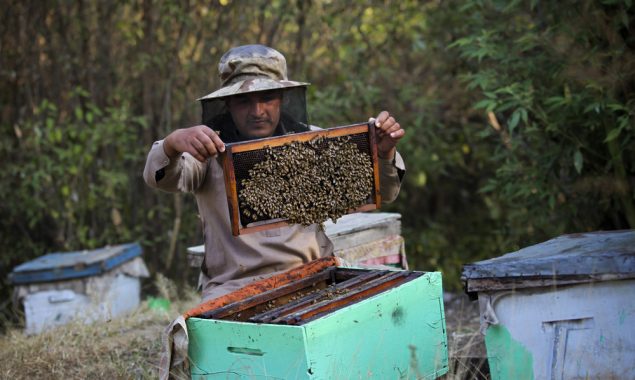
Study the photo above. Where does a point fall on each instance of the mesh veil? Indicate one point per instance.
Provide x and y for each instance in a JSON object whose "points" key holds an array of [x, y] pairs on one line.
{"points": [[293, 117]]}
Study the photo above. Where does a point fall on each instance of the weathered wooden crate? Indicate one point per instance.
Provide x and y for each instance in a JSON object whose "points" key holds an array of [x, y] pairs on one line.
{"points": [[562, 309], [361, 239], [368, 239], [57, 288], [398, 333]]}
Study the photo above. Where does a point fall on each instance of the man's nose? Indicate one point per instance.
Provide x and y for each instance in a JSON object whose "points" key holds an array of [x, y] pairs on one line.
{"points": [[257, 108]]}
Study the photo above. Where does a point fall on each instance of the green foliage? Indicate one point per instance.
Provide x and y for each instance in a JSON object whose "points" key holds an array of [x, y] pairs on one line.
{"points": [[70, 176], [519, 115], [553, 78]]}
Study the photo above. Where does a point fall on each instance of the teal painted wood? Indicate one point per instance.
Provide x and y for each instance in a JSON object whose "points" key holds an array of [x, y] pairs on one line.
{"points": [[235, 350], [398, 334]]}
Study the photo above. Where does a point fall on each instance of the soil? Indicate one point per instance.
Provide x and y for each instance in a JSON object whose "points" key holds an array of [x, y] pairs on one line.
{"points": [[466, 345]]}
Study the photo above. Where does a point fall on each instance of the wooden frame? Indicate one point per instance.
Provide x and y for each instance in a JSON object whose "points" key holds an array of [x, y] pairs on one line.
{"points": [[230, 176]]}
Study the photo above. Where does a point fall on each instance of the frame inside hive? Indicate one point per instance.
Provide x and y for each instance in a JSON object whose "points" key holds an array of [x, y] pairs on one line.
{"points": [[311, 297], [239, 158]]}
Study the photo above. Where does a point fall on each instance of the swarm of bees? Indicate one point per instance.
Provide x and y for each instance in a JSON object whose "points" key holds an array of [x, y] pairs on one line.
{"points": [[308, 182]]}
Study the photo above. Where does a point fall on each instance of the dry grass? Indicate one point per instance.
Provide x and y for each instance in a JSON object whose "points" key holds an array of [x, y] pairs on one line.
{"points": [[130, 347], [122, 348], [466, 346]]}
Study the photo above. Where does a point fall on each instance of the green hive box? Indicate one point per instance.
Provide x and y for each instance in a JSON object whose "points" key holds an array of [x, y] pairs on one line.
{"points": [[397, 334]]}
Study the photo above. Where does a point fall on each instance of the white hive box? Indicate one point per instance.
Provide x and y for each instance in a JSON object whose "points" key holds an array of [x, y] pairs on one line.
{"points": [[57, 288], [366, 239], [562, 309]]}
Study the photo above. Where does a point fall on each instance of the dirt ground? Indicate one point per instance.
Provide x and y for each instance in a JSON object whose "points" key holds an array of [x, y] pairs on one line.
{"points": [[466, 346]]}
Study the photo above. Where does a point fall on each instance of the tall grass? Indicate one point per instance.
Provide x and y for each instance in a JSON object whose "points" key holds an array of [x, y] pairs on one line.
{"points": [[122, 348]]}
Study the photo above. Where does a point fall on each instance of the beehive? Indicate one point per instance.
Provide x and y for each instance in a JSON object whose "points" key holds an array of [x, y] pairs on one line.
{"points": [[99, 284], [361, 239], [336, 324], [561, 309], [240, 158]]}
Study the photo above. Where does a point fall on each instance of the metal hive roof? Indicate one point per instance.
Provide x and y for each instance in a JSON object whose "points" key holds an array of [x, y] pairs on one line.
{"points": [[573, 258], [61, 266]]}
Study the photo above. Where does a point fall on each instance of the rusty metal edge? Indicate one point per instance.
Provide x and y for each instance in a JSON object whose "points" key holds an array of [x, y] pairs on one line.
{"points": [[264, 285], [511, 283]]}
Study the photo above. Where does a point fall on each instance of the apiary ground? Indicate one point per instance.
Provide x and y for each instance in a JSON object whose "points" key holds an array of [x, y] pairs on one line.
{"points": [[129, 347]]}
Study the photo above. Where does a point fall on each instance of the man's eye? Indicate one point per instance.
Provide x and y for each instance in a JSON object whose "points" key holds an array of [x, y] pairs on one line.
{"points": [[269, 97]]}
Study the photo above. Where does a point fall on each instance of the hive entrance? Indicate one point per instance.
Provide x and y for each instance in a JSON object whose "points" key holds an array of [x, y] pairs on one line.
{"points": [[311, 297]]}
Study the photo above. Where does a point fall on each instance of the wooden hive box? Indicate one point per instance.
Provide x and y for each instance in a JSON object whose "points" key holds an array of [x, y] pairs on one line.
{"points": [[397, 332], [361, 239], [561, 309], [99, 284]]}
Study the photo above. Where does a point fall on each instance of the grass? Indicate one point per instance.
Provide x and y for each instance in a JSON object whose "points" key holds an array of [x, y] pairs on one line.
{"points": [[466, 346], [122, 348], [130, 347]]}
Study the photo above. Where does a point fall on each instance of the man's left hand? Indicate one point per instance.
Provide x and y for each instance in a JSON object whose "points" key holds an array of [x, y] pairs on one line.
{"points": [[388, 133]]}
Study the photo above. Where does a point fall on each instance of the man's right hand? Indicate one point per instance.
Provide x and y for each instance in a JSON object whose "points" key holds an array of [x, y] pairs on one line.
{"points": [[200, 141]]}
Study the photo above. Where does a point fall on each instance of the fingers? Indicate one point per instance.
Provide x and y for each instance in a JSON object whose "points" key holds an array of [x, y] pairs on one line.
{"points": [[389, 132], [211, 142], [387, 126], [218, 143], [381, 118], [200, 141], [397, 133], [197, 149]]}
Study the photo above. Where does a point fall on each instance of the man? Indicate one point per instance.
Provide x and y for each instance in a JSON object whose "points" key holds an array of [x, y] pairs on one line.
{"points": [[256, 100]]}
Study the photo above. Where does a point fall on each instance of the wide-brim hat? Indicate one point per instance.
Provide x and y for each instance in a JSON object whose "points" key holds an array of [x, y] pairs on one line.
{"points": [[252, 68]]}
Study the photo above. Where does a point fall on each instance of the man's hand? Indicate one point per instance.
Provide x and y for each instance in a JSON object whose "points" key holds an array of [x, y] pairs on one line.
{"points": [[388, 133], [200, 141]]}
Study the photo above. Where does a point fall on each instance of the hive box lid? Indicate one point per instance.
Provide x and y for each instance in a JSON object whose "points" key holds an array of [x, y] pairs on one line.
{"points": [[568, 259], [67, 265], [355, 223]]}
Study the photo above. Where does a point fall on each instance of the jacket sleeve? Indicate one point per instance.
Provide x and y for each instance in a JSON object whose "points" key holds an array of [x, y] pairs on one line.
{"points": [[182, 173], [391, 173]]}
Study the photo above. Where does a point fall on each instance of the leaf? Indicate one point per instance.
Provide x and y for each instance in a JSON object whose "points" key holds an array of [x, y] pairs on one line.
{"points": [[488, 187], [79, 114], [613, 134], [514, 121], [578, 161], [485, 103], [592, 107]]}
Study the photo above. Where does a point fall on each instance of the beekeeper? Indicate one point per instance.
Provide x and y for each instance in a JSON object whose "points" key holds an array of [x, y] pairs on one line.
{"points": [[256, 100]]}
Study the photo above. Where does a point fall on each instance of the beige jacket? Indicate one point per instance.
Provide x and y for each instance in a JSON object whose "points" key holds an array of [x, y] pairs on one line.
{"points": [[232, 261]]}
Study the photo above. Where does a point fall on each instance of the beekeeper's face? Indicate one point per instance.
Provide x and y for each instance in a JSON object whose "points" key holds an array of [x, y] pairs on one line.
{"points": [[256, 114]]}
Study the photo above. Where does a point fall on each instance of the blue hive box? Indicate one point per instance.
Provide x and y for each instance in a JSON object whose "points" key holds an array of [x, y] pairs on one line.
{"points": [[57, 288]]}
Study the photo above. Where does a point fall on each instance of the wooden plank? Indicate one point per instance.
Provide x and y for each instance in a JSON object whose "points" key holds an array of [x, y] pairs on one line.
{"points": [[352, 224], [512, 283], [269, 295], [351, 236], [230, 190], [263, 285], [372, 135], [371, 288], [272, 142], [355, 279]]}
